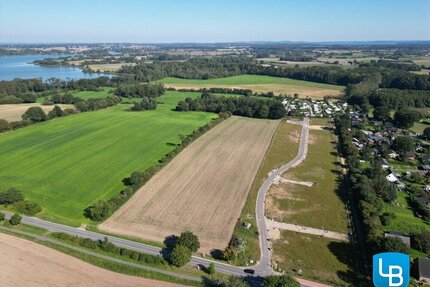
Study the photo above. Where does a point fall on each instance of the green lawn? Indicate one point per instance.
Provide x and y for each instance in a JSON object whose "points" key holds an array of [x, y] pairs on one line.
{"points": [[250, 80], [319, 206], [405, 220], [66, 164], [320, 259], [92, 94]]}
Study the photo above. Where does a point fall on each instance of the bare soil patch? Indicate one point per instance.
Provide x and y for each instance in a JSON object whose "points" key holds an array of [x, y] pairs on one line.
{"points": [[15, 111], [25, 263], [203, 189]]}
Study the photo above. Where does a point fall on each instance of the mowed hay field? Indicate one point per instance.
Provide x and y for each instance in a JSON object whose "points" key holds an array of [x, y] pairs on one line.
{"points": [[203, 189], [259, 83], [25, 263], [13, 112], [66, 164]]}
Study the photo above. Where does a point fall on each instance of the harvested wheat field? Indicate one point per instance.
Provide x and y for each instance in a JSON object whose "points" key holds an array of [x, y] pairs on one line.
{"points": [[203, 189], [13, 112], [25, 263]]}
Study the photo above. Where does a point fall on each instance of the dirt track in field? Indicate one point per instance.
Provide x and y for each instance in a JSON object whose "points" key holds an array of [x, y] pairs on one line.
{"points": [[203, 189], [304, 92], [15, 111], [25, 263]]}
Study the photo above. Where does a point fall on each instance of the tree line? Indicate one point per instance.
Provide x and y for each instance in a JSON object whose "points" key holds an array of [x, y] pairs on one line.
{"points": [[240, 106], [138, 90]]}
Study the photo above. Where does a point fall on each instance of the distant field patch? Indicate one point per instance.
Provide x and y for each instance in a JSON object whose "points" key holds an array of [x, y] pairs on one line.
{"points": [[103, 93], [261, 84], [203, 189], [108, 67], [13, 112], [66, 164]]}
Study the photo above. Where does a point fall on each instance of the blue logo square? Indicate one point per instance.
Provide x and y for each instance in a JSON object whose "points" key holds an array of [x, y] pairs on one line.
{"points": [[391, 269]]}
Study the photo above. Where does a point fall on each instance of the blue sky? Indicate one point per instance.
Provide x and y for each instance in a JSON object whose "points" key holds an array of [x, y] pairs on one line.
{"points": [[212, 21]]}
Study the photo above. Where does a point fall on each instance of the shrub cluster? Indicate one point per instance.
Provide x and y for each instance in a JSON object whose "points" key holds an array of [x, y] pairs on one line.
{"points": [[146, 90], [145, 104], [102, 209], [109, 247], [15, 197], [182, 247]]}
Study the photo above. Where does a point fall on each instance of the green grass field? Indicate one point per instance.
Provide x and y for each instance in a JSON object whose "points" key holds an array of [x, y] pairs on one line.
{"points": [[320, 259], [250, 80], [66, 164], [92, 94]]}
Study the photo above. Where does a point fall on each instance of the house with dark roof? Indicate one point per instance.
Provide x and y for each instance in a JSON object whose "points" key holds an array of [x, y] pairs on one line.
{"points": [[397, 234], [424, 270]]}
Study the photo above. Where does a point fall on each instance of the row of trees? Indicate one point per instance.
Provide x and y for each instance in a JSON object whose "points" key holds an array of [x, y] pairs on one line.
{"points": [[102, 209], [240, 106], [146, 90]]}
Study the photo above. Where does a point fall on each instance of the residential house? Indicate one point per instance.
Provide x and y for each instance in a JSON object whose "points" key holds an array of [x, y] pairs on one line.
{"points": [[400, 235], [424, 270]]}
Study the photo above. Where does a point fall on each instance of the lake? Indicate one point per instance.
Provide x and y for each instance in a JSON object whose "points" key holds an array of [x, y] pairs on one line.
{"points": [[20, 66]]}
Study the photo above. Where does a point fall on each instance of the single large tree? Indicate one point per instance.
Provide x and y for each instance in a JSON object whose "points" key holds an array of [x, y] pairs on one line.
{"points": [[180, 256], [405, 119], [189, 240]]}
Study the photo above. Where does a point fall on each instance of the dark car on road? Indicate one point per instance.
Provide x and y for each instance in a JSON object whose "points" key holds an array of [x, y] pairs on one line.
{"points": [[249, 271]]}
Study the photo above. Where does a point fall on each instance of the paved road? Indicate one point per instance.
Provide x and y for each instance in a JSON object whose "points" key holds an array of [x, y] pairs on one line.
{"points": [[132, 245], [264, 265]]}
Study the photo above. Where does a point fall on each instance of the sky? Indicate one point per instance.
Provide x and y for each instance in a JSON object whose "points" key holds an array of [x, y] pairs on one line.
{"points": [[169, 21]]}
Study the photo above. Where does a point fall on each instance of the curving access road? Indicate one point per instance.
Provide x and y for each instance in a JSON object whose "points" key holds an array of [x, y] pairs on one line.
{"points": [[264, 266]]}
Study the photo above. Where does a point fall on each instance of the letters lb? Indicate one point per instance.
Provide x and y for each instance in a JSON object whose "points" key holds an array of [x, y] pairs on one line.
{"points": [[391, 269]]}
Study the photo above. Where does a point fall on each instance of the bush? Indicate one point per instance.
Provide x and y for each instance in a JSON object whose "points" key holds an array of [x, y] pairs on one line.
{"points": [[280, 281], [4, 126], [28, 207], [99, 211], [180, 256], [15, 219], [20, 124], [2, 216], [34, 114], [421, 242], [10, 100], [189, 240], [11, 196]]}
